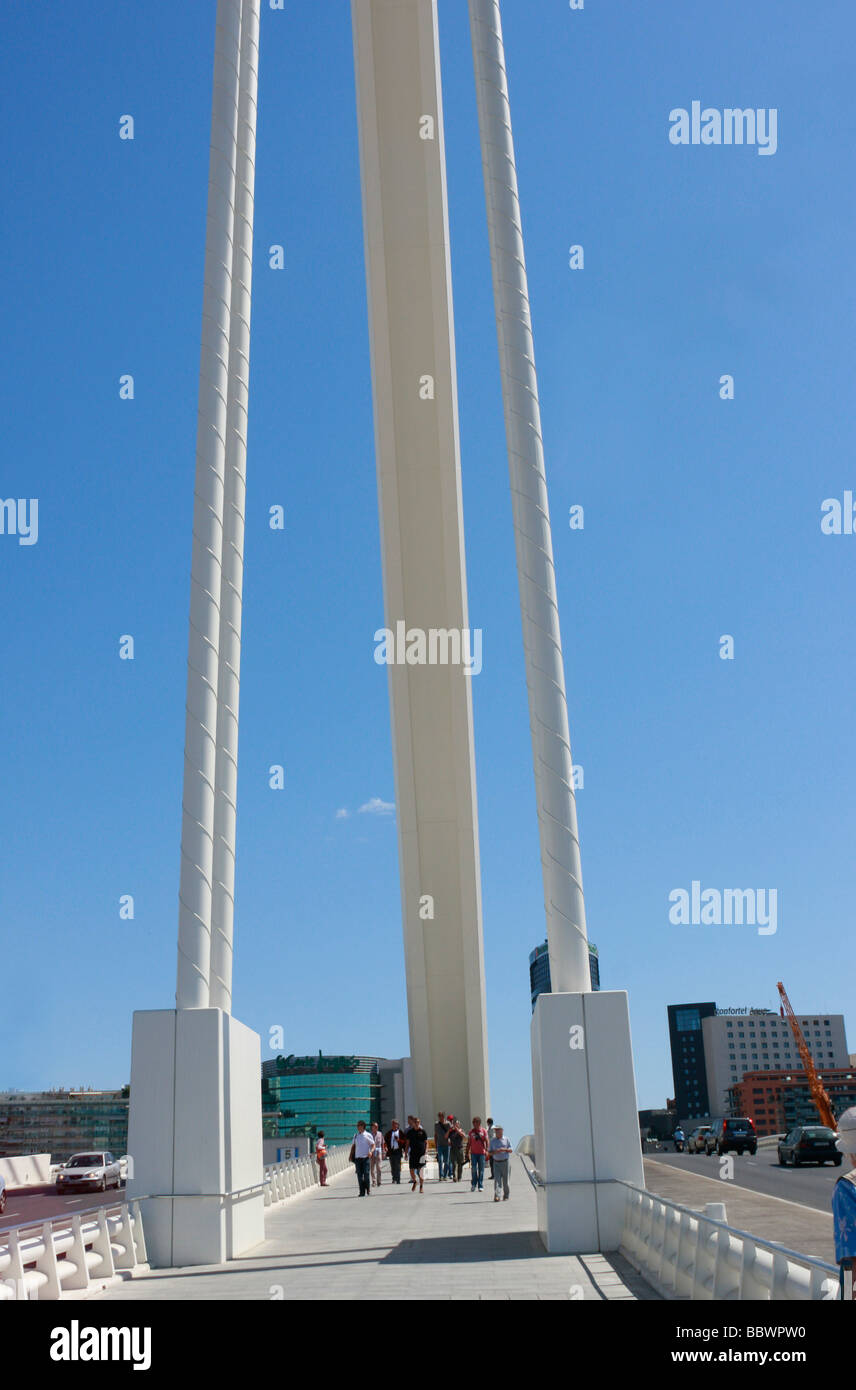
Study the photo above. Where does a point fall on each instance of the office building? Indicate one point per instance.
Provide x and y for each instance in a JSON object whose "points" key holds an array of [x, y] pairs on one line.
{"points": [[688, 1060], [740, 1041], [777, 1101], [539, 970], [63, 1122], [713, 1049], [301, 1095]]}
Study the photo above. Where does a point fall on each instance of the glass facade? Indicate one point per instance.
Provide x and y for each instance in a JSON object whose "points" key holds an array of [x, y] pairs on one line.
{"points": [[688, 1065], [63, 1122], [539, 970], [301, 1095]]}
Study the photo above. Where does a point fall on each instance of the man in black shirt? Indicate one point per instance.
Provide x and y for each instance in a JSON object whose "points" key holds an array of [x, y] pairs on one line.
{"points": [[417, 1143]]}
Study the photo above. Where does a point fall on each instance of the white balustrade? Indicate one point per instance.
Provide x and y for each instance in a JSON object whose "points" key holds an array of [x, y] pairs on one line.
{"points": [[695, 1255], [295, 1175], [71, 1254]]}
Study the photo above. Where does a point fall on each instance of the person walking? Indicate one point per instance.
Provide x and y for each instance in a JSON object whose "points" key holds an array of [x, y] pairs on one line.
{"points": [[361, 1154], [395, 1145], [500, 1149], [441, 1141], [489, 1128], [476, 1150], [417, 1143], [321, 1157], [457, 1139], [377, 1153]]}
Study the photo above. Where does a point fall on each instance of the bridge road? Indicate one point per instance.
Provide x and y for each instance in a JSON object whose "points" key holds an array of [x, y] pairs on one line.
{"points": [[43, 1202], [448, 1243]]}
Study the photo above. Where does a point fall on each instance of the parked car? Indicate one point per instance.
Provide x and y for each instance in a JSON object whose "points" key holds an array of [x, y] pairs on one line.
{"points": [[809, 1144], [2, 1194], [736, 1133], [97, 1169], [695, 1143]]}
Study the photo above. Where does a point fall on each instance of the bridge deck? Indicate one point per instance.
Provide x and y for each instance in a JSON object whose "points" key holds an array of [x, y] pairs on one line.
{"points": [[448, 1243]]}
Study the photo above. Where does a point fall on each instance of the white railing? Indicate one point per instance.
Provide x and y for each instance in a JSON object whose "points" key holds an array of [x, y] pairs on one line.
{"points": [[284, 1180], [72, 1254], [689, 1254]]}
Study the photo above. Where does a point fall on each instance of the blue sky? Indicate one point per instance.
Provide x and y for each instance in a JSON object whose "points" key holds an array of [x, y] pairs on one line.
{"points": [[702, 518]]}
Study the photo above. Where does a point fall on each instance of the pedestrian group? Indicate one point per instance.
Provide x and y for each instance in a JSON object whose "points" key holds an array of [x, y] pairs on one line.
{"points": [[480, 1144]]}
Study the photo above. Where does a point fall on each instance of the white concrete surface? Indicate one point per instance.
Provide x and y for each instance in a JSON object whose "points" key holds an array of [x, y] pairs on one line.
{"points": [[26, 1170], [586, 1126], [195, 1134], [448, 1244], [405, 216]]}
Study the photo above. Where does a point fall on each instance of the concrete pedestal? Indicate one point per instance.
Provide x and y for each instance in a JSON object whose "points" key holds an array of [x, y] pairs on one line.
{"points": [[195, 1135], [586, 1121]]}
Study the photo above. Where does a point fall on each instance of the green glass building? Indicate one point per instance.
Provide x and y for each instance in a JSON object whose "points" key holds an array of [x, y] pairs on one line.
{"points": [[301, 1095]]}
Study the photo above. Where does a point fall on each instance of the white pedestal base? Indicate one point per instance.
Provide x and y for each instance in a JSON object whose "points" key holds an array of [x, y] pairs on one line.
{"points": [[586, 1121], [195, 1135]]}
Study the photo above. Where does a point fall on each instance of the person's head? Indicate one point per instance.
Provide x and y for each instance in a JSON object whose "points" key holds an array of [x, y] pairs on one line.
{"points": [[499, 1131], [441, 1114], [845, 1139], [374, 1124], [320, 1134], [410, 1119], [394, 1124], [489, 1120], [416, 1122], [476, 1121], [361, 1124]]}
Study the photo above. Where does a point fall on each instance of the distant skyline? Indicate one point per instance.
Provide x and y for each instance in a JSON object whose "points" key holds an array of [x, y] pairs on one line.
{"points": [[693, 307]]}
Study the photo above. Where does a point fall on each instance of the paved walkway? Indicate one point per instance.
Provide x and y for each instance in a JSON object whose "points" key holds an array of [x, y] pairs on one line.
{"points": [[799, 1228], [448, 1243]]}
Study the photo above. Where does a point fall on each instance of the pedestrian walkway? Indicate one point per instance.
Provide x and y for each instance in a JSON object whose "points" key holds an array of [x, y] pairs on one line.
{"points": [[797, 1227], [448, 1243]]}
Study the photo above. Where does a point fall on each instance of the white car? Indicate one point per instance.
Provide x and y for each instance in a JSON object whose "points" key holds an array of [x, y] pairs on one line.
{"points": [[96, 1168]]}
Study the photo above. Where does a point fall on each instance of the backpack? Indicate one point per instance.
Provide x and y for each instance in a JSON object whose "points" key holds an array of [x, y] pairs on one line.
{"points": [[844, 1217]]}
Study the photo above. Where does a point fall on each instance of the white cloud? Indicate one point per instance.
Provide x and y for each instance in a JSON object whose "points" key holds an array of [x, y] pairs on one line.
{"points": [[376, 807], [342, 813]]}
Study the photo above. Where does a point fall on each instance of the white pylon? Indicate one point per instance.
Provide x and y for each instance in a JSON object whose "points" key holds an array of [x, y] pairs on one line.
{"points": [[229, 667], [197, 828], [542, 643]]}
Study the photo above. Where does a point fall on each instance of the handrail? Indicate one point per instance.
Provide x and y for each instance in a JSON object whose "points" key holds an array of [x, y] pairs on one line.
{"points": [[771, 1245]]}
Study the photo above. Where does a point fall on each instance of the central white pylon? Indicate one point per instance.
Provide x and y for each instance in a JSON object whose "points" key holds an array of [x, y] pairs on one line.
{"points": [[405, 217]]}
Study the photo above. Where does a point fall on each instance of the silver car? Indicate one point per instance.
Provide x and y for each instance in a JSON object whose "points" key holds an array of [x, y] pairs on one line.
{"points": [[2, 1194], [97, 1168]]}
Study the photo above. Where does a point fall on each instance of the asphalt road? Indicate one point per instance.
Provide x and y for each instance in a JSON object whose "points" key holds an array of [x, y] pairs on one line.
{"points": [[41, 1203], [811, 1186]]}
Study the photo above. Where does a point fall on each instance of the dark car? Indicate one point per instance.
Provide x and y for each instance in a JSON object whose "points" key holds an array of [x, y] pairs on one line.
{"points": [[736, 1133], [809, 1144]]}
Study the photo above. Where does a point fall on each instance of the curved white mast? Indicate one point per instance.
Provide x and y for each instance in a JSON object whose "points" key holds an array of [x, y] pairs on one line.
{"points": [[197, 827], [542, 642], [229, 668]]}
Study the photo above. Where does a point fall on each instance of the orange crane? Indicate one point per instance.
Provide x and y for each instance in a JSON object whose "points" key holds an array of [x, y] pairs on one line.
{"points": [[818, 1090]]}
